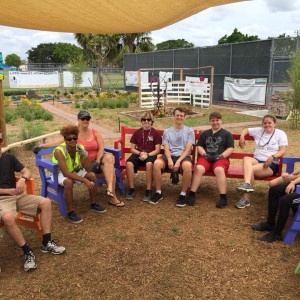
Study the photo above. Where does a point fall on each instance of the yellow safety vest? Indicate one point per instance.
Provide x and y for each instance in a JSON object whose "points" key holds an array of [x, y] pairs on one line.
{"points": [[71, 165]]}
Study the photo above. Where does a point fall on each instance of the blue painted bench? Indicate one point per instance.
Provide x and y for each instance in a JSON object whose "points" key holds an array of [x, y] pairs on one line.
{"points": [[295, 225], [51, 189]]}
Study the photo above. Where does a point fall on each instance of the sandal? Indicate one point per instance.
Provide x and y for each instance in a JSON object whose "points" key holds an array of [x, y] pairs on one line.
{"points": [[118, 204], [109, 194]]}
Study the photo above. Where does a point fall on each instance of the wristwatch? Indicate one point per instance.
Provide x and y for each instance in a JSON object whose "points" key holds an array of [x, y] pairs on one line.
{"points": [[24, 177], [273, 156]]}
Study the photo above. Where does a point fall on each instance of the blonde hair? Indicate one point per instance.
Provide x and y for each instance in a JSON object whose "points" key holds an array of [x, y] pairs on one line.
{"points": [[147, 115]]}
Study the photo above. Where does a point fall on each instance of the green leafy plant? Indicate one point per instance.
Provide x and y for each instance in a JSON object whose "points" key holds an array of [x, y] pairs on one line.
{"points": [[294, 97], [31, 130]]}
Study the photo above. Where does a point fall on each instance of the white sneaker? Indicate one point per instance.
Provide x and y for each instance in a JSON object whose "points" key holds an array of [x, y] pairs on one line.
{"points": [[29, 261], [52, 248]]}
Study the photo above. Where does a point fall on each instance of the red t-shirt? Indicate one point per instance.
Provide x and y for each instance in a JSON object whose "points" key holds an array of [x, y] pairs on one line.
{"points": [[145, 140]]}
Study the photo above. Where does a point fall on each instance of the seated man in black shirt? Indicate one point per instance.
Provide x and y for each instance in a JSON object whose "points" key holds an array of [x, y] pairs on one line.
{"points": [[13, 199], [214, 147]]}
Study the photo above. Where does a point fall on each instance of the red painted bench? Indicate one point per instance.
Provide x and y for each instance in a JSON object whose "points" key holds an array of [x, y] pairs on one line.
{"points": [[233, 172]]}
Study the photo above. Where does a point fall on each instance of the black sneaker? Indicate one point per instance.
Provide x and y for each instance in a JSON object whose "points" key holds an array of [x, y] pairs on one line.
{"points": [[263, 226], [74, 218], [156, 198], [270, 237], [147, 196], [97, 208], [181, 202], [221, 203], [191, 200], [130, 195]]}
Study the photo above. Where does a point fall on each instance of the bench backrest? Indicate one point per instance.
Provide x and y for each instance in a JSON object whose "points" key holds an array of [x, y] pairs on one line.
{"points": [[127, 132]]}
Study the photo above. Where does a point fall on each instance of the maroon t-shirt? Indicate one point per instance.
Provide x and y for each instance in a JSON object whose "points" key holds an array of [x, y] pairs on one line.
{"points": [[145, 140]]}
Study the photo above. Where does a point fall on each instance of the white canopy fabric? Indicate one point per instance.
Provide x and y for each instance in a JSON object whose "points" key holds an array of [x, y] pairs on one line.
{"points": [[100, 16]]}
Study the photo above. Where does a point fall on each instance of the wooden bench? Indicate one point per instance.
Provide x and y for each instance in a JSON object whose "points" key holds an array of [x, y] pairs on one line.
{"points": [[27, 221], [51, 188], [121, 144], [233, 171]]}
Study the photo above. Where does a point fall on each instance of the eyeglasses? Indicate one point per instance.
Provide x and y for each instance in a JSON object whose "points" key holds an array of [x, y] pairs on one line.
{"points": [[85, 118], [149, 120], [1, 140], [69, 139]]}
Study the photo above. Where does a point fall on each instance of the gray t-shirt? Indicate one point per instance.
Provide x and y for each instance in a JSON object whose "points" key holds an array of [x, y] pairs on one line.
{"points": [[177, 139]]}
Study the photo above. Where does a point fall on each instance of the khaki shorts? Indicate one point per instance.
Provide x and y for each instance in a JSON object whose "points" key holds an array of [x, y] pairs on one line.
{"points": [[25, 203]]}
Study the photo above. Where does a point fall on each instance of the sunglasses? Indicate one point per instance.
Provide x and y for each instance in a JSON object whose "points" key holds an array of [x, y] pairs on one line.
{"points": [[85, 118], [69, 139], [1, 140], [149, 120]]}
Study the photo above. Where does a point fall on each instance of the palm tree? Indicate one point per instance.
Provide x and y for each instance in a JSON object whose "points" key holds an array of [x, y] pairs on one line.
{"points": [[101, 45]]}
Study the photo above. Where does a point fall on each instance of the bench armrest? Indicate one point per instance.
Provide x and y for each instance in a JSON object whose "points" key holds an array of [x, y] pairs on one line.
{"points": [[290, 163], [117, 153]]}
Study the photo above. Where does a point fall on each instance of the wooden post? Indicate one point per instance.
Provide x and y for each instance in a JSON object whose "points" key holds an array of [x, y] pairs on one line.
{"points": [[212, 85], [2, 115], [181, 74]]}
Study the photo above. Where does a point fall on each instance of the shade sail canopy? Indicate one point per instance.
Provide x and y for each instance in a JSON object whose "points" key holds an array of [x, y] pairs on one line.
{"points": [[99, 16]]}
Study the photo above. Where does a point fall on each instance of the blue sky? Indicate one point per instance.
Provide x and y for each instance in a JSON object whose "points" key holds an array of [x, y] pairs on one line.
{"points": [[257, 17]]}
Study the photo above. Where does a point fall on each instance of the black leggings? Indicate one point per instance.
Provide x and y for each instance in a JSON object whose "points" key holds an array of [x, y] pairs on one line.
{"points": [[278, 199]]}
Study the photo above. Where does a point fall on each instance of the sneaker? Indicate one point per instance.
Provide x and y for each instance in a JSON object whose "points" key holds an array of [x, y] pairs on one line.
{"points": [[74, 218], [191, 200], [245, 188], [130, 195], [156, 198], [147, 196], [263, 226], [243, 203], [97, 208], [29, 261], [181, 202], [270, 237], [52, 248], [221, 203]]}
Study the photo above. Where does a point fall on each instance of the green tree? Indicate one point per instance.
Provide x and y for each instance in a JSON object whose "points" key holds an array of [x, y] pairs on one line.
{"points": [[294, 73], [77, 67], [100, 45], [237, 37], [66, 53], [174, 44], [133, 43], [13, 60], [42, 53], [59, 53]]}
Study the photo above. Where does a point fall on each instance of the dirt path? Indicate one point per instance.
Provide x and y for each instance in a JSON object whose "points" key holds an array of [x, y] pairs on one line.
{"points": [[73, 119]]}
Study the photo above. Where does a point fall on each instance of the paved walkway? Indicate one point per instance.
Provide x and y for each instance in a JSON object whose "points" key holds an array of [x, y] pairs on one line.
{"points": [[107, 134]]}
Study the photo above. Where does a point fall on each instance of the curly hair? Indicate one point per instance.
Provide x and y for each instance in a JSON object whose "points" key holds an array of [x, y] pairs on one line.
{"points": [[68, 130]]}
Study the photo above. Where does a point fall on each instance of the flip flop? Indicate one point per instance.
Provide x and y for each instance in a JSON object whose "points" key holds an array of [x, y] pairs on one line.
{"points": [[109, 194], [118, 204]]}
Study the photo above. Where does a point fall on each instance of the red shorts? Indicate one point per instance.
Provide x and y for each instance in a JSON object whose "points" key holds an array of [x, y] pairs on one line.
{"points": [[210, 166]]}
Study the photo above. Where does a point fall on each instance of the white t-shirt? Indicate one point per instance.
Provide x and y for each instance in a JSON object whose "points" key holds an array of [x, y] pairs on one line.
{"points": [[177, 139], [267, 144]]}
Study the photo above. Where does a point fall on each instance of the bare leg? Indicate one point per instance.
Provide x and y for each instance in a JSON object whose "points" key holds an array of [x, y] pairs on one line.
{"points": [[149, 177], [92, 177], [12, 229], [248, 163], [108, 170], [221, 179], [197, 176], [130, 174], [158, 166], [68, 193], [46, 215], [186, 176]]}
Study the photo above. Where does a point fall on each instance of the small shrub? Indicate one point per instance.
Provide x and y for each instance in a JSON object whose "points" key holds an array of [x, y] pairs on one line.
{"points": [[10, 116], [112, 104], [77, 105], [31, 130], [28, 116], [85, 105], [46, 116]]}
